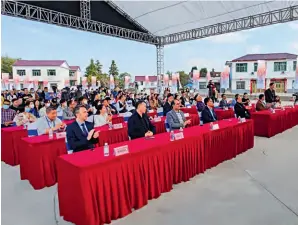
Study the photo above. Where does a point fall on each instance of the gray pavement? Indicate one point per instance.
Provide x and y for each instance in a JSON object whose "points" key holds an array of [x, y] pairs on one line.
{"points": [[259, 187]]}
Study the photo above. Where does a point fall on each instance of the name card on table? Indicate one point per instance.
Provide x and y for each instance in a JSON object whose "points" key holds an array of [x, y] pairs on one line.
{"points": [[151, 111], [243, 120], [122, 150], [188, 107], [186, 114], [215, 127], [118, 126], [60, 135], [179, 136]]}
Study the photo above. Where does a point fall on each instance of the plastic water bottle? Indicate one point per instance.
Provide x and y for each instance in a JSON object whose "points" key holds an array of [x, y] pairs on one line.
{"points": [[110, 126], [172, 136], [239, 119], [25, 126], [106, 150], [51, 135], [181, 129], [211, 126], [201, 122]]}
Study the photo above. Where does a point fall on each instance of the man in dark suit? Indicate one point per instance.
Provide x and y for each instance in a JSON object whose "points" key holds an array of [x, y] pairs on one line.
{"points": [[270, 96], [139, 124], [240, 109], [80, 134], [167, 107], [208, 114]]}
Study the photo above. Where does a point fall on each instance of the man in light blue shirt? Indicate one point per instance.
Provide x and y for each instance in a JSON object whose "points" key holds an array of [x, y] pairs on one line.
{"points": [[49, 122]]}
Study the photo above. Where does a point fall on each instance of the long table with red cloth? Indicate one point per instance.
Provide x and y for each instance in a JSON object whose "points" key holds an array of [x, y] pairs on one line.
{"points": [[224, 114], [112, 136], [268, 124], [117, 119], [94, 189], [191, 110], [10, 144]]}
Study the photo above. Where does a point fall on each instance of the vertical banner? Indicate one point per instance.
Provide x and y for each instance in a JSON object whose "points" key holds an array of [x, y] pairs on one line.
{"points": [[296, 75], [16, 81], [5, 81], [208, 76], [261, 73], [35, 83], [224, 78], [66, 82], [26, 82], [146, 81], [93, 81], [126, 82], [196, 77], [45, 83], [112, 82], [84, 82], [166, 80], [174, 83]]}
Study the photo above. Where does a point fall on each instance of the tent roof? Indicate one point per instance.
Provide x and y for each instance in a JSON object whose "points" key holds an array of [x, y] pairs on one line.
{"points": [[167, 17]]}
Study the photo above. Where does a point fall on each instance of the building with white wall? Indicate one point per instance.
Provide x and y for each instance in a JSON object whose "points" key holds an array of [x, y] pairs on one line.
{"points": [[141, 83], [280, 69], [53, 71]]}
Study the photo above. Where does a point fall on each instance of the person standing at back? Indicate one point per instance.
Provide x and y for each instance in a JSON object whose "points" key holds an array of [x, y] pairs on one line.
{"points": [[80, 134], [270, 96]]}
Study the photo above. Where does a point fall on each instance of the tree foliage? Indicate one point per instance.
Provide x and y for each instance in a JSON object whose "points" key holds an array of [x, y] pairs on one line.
{"points": [[95, 69], [6, 64], [203, 72], [113, 70], [121, 79], [184, 78]]}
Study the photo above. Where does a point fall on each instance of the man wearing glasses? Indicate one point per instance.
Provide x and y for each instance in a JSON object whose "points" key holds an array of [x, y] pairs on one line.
{"points": [[176, 118]]}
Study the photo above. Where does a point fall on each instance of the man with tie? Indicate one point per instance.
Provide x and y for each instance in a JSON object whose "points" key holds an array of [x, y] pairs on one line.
{"points": [[240, 109], [208, 114], [80, 134]]}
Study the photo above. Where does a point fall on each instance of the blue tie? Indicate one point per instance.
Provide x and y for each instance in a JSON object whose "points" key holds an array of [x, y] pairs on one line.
{"points": [[85, 132], [212, 114]]}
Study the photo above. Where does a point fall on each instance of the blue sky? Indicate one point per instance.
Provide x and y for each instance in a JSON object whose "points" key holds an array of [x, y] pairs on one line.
{"points": [[33, 40]]}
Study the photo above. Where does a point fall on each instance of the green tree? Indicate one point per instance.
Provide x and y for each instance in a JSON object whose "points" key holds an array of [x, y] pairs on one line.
{"points": [[6, 64], [98, 67], [91, 70], [203, 72], [184, 78], [192, 69], [113, 70]]}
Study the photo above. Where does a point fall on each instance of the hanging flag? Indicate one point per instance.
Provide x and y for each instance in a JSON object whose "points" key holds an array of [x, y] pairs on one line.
{"points": [[66, 83], [208, 76], [45, 83], [174, 83], [146, 81], [296, 75], [93, 81], [35, 83], [26, 82], [166, 80], [84, 82], [112, 82], [261, 73], [196, 78], [224, 77], [5, 81], [126, 81]]}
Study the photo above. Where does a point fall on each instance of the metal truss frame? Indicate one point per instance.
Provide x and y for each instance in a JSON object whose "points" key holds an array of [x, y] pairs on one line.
{"points": [[245, 23], [85, 9], [19, 9], [159, 64]]}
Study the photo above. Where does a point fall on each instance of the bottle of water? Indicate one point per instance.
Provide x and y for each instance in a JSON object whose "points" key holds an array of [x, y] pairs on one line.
{"points": [[201, 122], [181, 129], [172, 136], [211, 126], [106, 150], [51, 134], [110, 126], [239, 119]]}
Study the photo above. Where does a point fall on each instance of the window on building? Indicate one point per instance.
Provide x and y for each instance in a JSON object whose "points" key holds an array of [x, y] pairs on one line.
{"points": [[71, 73], [280, 66], [241, 67], [51, 72], [240, 85], [294, 65], [72, 83], [255, 67], [21, 72], [202, 85], [36, 73]]}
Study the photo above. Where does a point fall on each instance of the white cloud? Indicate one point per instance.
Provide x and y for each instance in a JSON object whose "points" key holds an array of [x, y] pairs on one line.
{"points": [[254, 49], [293, 25], [230, 38], [218, 65]]}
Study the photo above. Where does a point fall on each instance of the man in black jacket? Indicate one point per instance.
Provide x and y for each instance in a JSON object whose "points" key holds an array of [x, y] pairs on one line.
{"points": [[240, 109], [167, 107], [208, 114], [80, 134], [139, 124], [270, 96]]}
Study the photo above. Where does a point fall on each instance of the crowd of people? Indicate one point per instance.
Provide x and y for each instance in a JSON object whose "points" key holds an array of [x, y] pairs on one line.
{"points": [[49, 110]]}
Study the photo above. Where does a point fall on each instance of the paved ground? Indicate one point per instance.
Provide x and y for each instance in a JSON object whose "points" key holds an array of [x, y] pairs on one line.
{"points": [[259, 187]]}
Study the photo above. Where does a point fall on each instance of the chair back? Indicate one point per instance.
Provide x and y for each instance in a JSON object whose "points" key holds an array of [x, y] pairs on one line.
{"points": [[69, 151], [32, 129]]}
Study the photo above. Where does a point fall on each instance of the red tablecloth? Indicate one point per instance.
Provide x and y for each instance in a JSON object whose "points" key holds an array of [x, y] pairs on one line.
{"points": [[268, 124], [94, 189], [112, 136], [67, 122], [10, 143], [224, 114], [160, 125], [192, 110], [117, 119], [152, 114], [37, 160]]}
